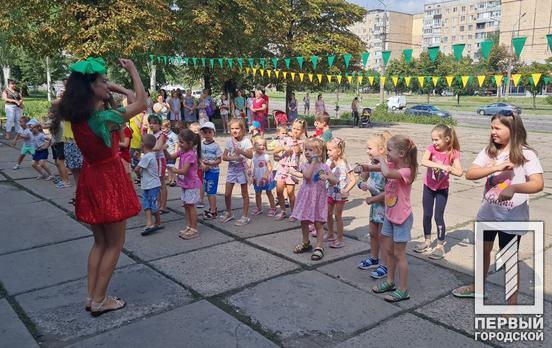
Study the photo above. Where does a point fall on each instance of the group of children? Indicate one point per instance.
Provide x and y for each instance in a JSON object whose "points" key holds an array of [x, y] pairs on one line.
{"points": [[318, 163]]}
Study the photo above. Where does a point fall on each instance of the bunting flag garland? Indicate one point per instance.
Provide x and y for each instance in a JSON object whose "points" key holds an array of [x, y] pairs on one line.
{"points": [[314, 61], [449, 78], [262, 61], [486, 47], [518, 43], [407, 81], [212, 62], [247, 70], [319, 77], [536, 78], [277, 73], [433, 52], [221, 62], [165, 59], [385, 55], [269, 73], [240, 62], [347, 59], [170, 60], [300, 60], [350, 79], [329, 77], [359, 79], [310, 77], [395, 80], [331, 60], [339, 77], [516, 78], [251, 62], [371, 80], [292, 76], [301, 76], [480, 80], [285, 74], [287, 60], [261, 71], [194, 61], [254, 71], [435, 80], [498, 80], [549, 39], [421, 81], [275, 63], [458, 49], [186, 60], [203, 61], [407, 55], [230, 62], [382, 80], [365, 56], [465, 80], [151, 57], [546, 80]]}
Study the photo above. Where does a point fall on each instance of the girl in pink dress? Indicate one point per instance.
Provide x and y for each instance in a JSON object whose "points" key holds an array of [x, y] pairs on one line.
{"points": [[311, 205]]}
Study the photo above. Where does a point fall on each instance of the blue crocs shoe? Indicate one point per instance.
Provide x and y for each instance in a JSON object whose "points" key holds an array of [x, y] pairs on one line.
{"points": [[380, 272], [369, 263]]}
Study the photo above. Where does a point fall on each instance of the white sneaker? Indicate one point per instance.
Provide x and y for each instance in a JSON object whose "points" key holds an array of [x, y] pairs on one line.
{"points": [[16, 167], [48, 178], [244, 220]]}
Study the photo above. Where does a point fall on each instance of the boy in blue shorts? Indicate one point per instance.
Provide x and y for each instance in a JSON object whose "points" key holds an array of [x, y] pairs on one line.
{"points": [[150, 184], [25, 134], [211, 156]]}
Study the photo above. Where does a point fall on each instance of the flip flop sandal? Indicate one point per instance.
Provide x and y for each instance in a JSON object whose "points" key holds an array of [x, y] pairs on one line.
{"points": [[337, 244], [226, 218], [397, 296], [149, 230], [318, 254], [97, 308], [190, 233], [422, 248], [464, 292], [384, 287], [302, 248], [329, 239], [164, 211]]}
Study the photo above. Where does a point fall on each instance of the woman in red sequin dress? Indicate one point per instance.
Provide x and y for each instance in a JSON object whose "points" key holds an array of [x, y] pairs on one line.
{"points": [[105, 195]]}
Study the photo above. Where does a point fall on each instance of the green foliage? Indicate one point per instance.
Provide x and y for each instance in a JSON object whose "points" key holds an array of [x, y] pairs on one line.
{"points": [[382, 115], [549, 99], [33, 107]]}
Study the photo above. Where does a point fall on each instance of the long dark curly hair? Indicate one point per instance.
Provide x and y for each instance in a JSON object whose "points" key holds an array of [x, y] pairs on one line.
{"points": [[77, 104]]}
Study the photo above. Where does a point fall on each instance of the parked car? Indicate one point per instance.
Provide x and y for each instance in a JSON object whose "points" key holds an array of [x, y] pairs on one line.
{"points": [[397, 102], [495, 108], [427, 110], [447, 93]]}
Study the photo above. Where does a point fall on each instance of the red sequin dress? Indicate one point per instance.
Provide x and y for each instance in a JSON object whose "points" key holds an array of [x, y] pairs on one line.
{"points": [[105, 193]]}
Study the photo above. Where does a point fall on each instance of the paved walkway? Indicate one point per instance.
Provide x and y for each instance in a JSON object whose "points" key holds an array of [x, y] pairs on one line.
{"points": [[243, 287]]}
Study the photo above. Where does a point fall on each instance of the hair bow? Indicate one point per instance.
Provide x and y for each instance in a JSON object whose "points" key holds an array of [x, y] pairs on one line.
{"points": [[89, 66]]}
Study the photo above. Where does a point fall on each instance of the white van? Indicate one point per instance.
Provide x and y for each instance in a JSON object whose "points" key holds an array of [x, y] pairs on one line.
{"points": [[397, 102]]}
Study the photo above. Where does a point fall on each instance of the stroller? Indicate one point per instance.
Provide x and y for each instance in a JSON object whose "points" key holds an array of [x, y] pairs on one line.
{"points": [[365, 118], [280, 117]]}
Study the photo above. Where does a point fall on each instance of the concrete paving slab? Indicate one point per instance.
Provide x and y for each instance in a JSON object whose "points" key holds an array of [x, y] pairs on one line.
{"points": [[422, 277], [25, 172], [284, 242], [223, 267], [139, 221], [58, 312], [414, 332], [199, 324], [12, 331], [48, 224], [47, 189], [15, 196], [309, 306], [48, 265], [166, 242], [259, 225]]}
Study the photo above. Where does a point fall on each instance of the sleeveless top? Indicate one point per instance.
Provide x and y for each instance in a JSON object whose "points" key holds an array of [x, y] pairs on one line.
{"points": [[12, 95]]}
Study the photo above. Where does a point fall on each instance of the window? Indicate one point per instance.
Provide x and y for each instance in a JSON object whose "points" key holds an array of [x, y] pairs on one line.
{"points": [[445, 39], [454, 20], [470, 37], [447, 11], [469, 47], [463, 8], [479, 26], [462, 18], [427, 31], [454, 9], [470, 27], [461, 37], [461, 28], [453, 38]]}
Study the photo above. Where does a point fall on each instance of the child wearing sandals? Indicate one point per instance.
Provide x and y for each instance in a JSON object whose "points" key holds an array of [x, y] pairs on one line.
{"points": [[400, 172], [512, 171], [263, 180], [150, 184], [312, 199], [237, 151], [338, 193], [374, 182], [189, 154], [441, 158], [289, 161]]}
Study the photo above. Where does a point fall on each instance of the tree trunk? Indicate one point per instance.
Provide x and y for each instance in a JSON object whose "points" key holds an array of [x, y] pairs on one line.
{"points": [[6, 70], [207, 78], [48, 79], [153, 77], [534, 100], [289, 90], [428, 96], [458, 99]]}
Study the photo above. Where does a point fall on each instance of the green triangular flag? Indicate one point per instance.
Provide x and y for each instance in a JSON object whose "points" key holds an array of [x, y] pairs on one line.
{"points": [[287, 60], [186, 60], [549, 38], [203, 61], [240, 62], [486, 47], [518, 43], [158, 59], [331, 60], [179, 60], [407, 55], [165, 59], [347, 59], [251, 61], [386, 55], [152, 57], [275, 63], [314, 61], [230, 62], [364, 56], [546, 80], [171, 60], [458, 49], [194, 61], [300, 60], [221, 62], [262, 61], [433, 51], [212, 62]]}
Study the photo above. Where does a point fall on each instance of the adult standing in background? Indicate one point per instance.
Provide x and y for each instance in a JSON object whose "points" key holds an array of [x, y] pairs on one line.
{"points": [[249, 106], [175, 103], [239, 105], [209, 104], [354, 111], [14, 107], [292, 108], [149, 103], [189, 107], [306, 104], [319, 106], [259, 109]]}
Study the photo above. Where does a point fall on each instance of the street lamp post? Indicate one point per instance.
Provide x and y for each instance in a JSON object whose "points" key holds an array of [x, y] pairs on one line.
{"points": [[384, 39], [511, 60]]}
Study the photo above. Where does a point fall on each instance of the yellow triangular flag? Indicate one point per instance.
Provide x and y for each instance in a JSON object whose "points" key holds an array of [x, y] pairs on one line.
{"points": [[301, 75], [421, 80], [338, 77], [359, 79], [319, 76], [480, 80], [277, 73], [407, 80], [310, 77], [536, 78], [371, 80], [449, 80], [254, 71], [292, 76], [498, 80], [285, 74], [395, 80], [247, 70], [516, 78], [350, 79], [382, 80], [269, 72], [465, 79], [329, 77], [435, 80], [261, 71]]}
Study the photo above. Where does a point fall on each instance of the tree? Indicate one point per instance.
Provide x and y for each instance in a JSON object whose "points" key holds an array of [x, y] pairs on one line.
{"points": [[529, 83]]}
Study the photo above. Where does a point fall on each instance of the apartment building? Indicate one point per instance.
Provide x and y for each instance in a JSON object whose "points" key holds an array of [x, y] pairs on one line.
{"points": [[470, 22], [529, 18], [395, 28]]}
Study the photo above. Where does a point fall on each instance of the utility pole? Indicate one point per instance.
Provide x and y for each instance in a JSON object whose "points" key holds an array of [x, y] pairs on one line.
{"points": [[511, 60], [384, 48]]}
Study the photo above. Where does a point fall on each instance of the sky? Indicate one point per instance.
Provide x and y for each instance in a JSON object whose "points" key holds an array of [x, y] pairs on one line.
{"points": [[408, 6]]}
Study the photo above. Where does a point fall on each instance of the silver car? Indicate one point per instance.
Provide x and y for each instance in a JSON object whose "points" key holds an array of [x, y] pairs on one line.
{"points": [[493, 109]]}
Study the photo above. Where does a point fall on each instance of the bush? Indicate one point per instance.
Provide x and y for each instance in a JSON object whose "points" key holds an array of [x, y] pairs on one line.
{"points": [[33, 108], [548, 99], [382, 115]]}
